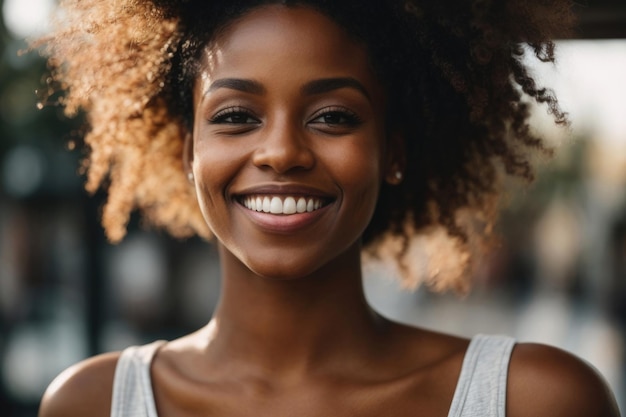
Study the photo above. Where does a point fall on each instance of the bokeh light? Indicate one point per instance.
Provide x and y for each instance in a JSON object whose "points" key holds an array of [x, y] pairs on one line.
{"points": [[26, 18]]}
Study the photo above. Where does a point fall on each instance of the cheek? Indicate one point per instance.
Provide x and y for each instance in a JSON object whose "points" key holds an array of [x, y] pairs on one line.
{"points": [[361, 163], [216, 162], [206, 201], [212, 175], [357, 169]]}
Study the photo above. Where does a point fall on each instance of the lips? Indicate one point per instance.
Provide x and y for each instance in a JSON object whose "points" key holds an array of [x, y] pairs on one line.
{"points": [[283, 208], [282, 204]]}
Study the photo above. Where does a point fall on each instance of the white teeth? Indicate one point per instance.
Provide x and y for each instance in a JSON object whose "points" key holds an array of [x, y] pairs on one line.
{"points": [[301, 206], [276, 206], [289, 206], [282, 205]]}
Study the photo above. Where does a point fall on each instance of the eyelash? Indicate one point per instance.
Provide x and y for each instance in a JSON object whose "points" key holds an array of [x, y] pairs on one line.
{"points": [[350, 118], [222, 116]]}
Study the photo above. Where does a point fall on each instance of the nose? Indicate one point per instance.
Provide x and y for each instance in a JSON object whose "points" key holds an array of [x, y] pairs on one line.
{"points": [[283, 149]]}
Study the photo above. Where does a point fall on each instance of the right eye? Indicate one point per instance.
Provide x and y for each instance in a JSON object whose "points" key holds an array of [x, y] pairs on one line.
{"points": [[234, 116]]}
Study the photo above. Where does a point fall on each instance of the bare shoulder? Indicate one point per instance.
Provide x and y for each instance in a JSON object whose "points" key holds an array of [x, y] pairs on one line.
{"points": [[546, 381], [82, 390]]}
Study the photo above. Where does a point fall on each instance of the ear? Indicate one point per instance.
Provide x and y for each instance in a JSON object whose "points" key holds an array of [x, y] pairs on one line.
{"points": [[395, 158], [188, 156]]}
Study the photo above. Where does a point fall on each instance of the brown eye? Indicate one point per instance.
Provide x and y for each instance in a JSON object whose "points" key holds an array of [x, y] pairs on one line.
{"points": [[336, 117], [235, 116]]}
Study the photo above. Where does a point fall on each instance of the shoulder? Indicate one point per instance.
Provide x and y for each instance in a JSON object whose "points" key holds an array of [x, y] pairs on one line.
{"points": [[546, 381], [84, 389]]}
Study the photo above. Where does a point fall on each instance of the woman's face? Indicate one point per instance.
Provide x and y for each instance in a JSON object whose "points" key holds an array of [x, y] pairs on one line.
{"points": [[288, 140]]}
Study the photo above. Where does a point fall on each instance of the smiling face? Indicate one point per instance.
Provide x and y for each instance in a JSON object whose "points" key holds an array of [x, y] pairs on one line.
{"points": [[288, 140]]}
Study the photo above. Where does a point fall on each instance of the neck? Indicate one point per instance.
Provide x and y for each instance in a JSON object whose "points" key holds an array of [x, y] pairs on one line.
{"points": [[293, 326]]}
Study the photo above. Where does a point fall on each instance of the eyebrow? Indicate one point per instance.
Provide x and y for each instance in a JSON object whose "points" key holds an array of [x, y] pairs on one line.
{"points": [[326, 85], [314, 87], [239, 84]]}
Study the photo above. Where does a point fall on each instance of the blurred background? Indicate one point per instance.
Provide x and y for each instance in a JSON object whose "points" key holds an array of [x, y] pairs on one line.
{"points": [[558, 275]]}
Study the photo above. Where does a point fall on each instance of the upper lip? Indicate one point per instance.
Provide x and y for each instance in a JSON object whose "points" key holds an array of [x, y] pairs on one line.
{"points": [[284, 189]]}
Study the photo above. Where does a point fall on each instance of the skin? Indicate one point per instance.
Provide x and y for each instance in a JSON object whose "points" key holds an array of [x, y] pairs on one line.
{"points": [[293, 334]]}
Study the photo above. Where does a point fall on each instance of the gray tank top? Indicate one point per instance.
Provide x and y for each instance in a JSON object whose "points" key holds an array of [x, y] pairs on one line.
{"points": [[480, 390]]}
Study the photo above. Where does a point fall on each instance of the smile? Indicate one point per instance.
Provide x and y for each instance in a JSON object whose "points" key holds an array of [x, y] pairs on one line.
{"points": [[285, 205]]}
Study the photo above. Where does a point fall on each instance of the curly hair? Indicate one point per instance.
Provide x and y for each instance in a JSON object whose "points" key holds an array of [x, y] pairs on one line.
{"points": [[460, 93]]}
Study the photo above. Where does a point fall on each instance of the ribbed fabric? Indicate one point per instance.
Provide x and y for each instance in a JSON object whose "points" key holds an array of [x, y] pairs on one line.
{"points": [[132, 385], [480, 391]]}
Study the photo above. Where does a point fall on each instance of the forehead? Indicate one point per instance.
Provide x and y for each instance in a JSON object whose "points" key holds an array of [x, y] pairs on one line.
{"points": [[273, 39], [303, 21]]}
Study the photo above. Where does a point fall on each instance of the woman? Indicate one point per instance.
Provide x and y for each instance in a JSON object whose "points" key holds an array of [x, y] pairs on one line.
{"points": [[297, 133]]}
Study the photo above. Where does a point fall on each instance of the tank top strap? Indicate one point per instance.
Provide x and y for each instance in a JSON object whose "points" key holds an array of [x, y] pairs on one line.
{"points": [[132, 385], [481, 389]]}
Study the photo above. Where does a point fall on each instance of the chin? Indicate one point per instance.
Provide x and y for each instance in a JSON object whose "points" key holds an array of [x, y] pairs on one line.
{"points": [[283, 271]]}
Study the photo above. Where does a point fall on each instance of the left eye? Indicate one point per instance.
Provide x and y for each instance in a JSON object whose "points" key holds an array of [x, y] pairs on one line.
{"points": [[336, 117], [234, 116], [237, 118]]}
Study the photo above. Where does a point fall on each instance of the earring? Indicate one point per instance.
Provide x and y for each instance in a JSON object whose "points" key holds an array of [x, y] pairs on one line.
{"points": [[190, 176], [395, 178]]}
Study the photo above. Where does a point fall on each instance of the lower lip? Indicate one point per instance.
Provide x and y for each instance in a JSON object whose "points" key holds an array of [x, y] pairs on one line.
{"points": [[283, 223]]}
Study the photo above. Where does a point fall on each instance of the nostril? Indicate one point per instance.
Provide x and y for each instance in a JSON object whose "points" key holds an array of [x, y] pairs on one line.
{"points": [[284, 157]]}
